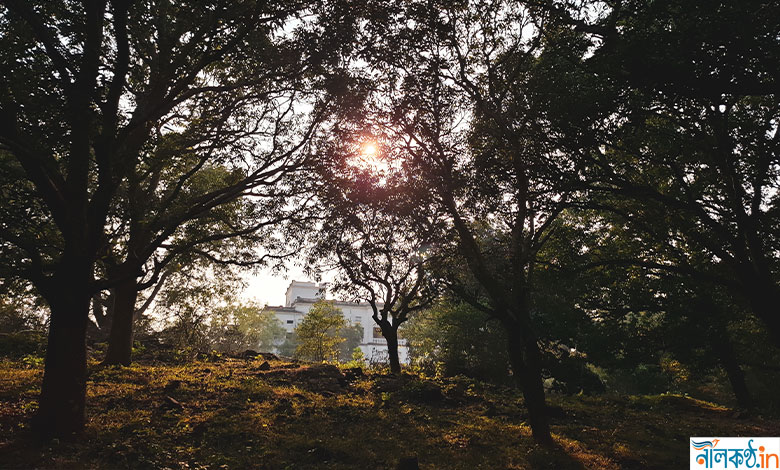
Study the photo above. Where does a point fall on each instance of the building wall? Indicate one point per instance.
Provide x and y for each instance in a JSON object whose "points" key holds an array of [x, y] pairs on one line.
{"points": [[305, 290]]}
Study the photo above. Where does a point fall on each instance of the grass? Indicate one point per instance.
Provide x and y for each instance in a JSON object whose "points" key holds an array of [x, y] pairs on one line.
{"points": [[234, 415]]}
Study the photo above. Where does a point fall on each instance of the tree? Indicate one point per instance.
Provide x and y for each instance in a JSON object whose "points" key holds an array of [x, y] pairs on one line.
{"points": [[377, 256], [453, 338], [697, 143], [353, 336], [227, 233], [193, 307], [474, 97], [260, 327], [318, 332], [91, 92], [241, 326], [21, 310], [642, 314]]}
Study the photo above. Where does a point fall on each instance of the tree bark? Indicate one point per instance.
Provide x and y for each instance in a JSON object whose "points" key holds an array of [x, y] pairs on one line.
{"points": [[728, 361], [727, 357], [120, 341], [63, 392], [390, 333], [525, 358], [765, 303]]}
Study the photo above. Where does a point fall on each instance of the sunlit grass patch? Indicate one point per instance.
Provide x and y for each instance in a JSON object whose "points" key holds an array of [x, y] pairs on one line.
{"points": [[230, 414]]}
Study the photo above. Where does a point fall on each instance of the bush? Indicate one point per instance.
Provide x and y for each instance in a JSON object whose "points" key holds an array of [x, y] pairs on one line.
{"points": [[568, 371], [453, 338], [358, 358], [22, 344], [319, 333]]}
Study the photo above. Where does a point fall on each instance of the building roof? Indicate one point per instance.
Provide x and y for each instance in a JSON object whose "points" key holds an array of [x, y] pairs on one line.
{"points": [[341, 303], [335, 302], [282, 309]]}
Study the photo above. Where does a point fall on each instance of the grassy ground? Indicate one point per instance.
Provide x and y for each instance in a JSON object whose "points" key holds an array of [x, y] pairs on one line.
{"points": [[233, 414]]}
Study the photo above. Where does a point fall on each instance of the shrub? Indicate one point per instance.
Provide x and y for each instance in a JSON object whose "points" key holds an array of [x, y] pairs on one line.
{"points": [[22, 344]]}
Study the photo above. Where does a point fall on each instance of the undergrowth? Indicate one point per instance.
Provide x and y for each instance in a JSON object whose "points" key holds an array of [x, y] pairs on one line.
{"points": [[232, 413]]}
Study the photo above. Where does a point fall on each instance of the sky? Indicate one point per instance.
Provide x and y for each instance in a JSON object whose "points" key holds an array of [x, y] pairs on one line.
{"points": [[268, 287]]}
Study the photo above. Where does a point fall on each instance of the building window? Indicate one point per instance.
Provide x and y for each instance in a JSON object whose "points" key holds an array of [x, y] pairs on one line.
{"points": [[358, 319], [378, 332], [289, 322]]}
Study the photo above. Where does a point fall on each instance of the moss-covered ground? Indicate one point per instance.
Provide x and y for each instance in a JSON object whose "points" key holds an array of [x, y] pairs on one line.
{"points": [[232, 413]]}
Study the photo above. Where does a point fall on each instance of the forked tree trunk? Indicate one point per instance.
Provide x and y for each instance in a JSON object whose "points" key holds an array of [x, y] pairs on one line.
{"points": [[525, 358], [63, 392], [120, 341]]}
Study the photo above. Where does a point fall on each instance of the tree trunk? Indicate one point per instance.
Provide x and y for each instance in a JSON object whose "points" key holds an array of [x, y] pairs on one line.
{"points": [[727, 357], [525, 358], [64, 387], [391, 335], [120, 341], [765, 303], [736, 376]]}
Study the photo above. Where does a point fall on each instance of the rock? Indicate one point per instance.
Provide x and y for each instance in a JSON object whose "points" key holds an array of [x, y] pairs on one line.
{"points": [[322, 378], [269, 356], [430, 392], [265, 366], [388, 384], [319, 371], [249, 354], [171, 404], [423, 392], [353, 373], [408, 463]]}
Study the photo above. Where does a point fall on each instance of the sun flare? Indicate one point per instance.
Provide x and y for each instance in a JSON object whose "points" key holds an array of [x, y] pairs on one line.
{"points": [[369, 158], [369, 150]]}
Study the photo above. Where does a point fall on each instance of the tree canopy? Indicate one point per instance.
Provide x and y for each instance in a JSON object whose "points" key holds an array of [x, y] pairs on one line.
{"points": [[578, 196]]}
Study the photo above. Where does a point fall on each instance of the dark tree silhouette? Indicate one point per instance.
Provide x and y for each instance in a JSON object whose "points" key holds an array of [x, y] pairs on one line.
{"points": [[101, 97]]}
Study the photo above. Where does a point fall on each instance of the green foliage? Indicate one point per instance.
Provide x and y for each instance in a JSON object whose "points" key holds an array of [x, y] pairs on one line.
{"points": [[243, 326], [190, 306], [568, 371], [289, 345], [22, 344], [453, 338], [32, 361], [358, 358], [20, 311], [353, 336], [319, 333]]}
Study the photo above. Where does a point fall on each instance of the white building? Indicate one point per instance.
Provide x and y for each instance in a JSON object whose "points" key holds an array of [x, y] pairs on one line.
{"points": [[301, 296]]}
